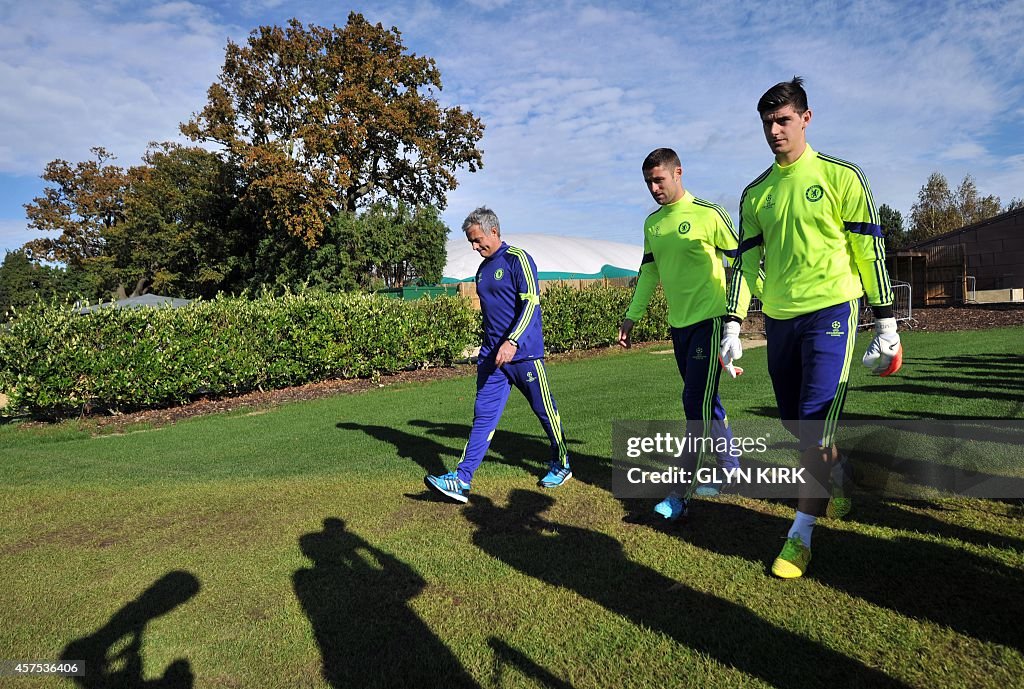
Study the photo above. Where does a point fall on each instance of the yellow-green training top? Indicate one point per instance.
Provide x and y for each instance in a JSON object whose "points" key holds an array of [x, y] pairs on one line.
{"points": [[684, 245], [815, 225]]}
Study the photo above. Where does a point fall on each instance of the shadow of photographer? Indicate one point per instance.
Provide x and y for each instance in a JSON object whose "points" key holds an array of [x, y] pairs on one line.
{"points": [[112, 655], [357, 598]]}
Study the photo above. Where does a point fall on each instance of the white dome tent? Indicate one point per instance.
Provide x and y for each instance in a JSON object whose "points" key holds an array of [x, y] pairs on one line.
{"points": [[557, 258]]}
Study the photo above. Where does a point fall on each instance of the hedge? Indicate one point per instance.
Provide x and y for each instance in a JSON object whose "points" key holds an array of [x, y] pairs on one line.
{"points": [[55, 362], [590, 317]]}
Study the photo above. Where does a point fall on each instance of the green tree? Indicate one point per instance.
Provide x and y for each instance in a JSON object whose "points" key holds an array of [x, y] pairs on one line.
{"points": [[179, 231], [323, 120], [21, 282], [340, 260], [403, 245], [940, 210], [892, 226], [276, 260], [428, 248], [389, 245], [1013, 204], [169, 224], [24, 282], [934, 213], [971, 206]]}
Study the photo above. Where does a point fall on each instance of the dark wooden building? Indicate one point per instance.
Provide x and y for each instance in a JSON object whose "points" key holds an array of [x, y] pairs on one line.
{"points": [[988, 255]]}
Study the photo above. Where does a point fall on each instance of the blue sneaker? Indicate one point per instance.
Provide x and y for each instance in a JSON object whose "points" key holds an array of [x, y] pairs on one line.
{"points": [[449, 485], [712, 489], [556, 476], [709, 490], [672, 507]]}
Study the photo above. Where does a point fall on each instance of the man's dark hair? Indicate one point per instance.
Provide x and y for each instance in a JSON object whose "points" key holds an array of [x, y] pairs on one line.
{"points": [[782, 94], [661, 157]]}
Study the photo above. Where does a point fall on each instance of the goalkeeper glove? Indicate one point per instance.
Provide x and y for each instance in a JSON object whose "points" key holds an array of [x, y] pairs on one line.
{"points": [[885, 353], [731, 348], [732, 369]]}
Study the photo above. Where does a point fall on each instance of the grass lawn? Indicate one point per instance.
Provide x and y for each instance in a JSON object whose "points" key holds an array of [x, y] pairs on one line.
{"points": [[297, 547]]}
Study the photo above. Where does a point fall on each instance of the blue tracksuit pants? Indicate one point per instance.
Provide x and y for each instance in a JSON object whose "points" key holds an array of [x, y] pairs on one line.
{"points": [[696, 348], [809, 363], [493, 386]]}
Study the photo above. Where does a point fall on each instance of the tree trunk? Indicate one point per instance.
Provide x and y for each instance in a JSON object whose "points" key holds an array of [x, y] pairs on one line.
{"points": [[141, 287]]}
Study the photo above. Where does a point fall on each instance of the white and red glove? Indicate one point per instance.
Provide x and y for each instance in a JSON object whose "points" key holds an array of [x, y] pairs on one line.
{"points": [[731, 349], [885, 353]]}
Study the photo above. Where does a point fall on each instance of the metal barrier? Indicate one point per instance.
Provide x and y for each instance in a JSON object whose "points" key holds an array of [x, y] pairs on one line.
{"points": [[902, 310]]}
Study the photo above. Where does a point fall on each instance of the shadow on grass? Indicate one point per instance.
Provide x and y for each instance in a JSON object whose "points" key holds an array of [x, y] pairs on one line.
{"points": [[999, 367], [593, 565], [507, 656], [531, 453], [112, 655], [939, 416], [979, 360], [996, 382], [924, 414], [431, 455], [941, 456], [972, 595], [357, 599], [874, 511], [886, 474], [526, 452], [931, 390]]}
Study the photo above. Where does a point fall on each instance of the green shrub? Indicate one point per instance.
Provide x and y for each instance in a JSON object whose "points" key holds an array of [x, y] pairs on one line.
{"points": [[590, 317], [54, 362]]}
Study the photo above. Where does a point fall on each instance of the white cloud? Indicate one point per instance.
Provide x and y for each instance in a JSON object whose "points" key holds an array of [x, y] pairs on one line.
{"points": [[76, 76], [13, 234], [573, 93], [595, 90], [489, 4], [965, 150]]}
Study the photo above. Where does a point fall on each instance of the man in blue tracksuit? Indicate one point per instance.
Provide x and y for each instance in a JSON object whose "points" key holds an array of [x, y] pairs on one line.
{"points": [[512, 353]]}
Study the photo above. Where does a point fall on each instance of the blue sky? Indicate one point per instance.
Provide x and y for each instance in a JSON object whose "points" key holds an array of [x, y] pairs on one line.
{"points": [[574, 94]]}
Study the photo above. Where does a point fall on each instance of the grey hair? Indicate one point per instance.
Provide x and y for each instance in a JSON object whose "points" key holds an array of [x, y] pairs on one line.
{"points": [[485, 218]]}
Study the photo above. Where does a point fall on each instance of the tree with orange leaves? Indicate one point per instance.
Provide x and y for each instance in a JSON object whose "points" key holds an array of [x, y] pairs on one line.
{"points": [[323, 120]]}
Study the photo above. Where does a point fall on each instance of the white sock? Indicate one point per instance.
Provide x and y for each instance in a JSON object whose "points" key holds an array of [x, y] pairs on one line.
{"points": [[802, 527]]}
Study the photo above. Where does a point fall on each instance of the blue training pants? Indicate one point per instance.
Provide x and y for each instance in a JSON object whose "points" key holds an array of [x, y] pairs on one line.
{"points": [[809, 363], [493, 386], [696, 348]]}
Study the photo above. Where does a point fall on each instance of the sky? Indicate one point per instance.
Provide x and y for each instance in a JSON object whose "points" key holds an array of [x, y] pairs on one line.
{"points": [[573, 94]]}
